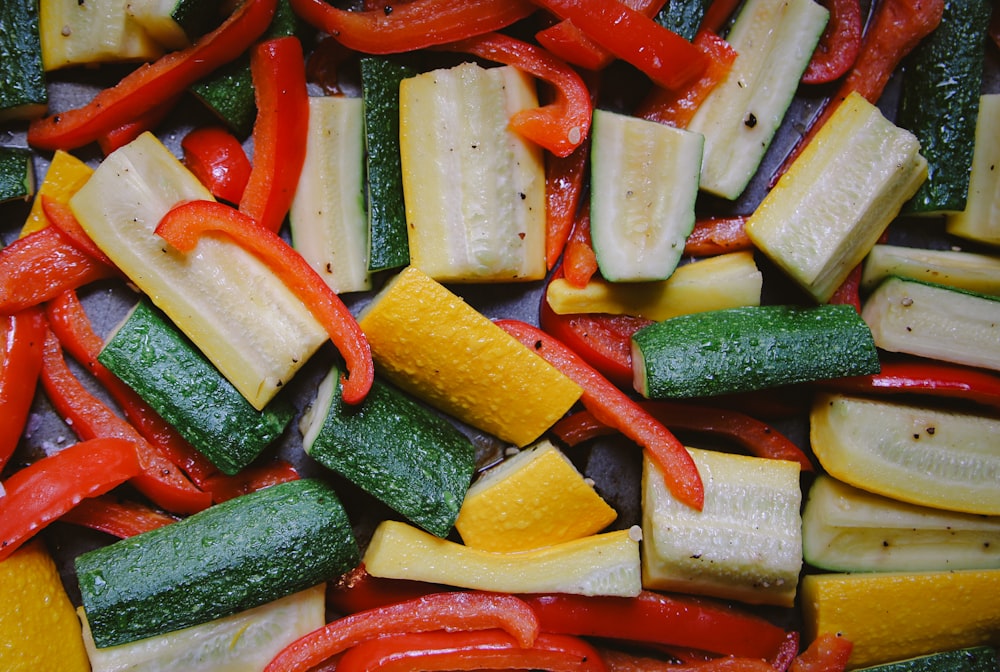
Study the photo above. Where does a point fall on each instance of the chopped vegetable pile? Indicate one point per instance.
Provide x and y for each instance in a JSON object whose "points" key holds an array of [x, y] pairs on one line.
{"points": [[540, 334]]}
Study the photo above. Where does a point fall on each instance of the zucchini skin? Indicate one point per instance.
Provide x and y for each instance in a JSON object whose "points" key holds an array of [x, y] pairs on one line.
{"points": [[17, 173], [158, 361], [683, 17], [751, 348], [23, 92], [230, 557], [971, 659]]}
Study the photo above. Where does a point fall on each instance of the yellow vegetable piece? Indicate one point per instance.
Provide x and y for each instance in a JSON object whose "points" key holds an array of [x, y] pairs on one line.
{"points": [[428, 341], [92, 32], [601, 564], [980, 221], [39, 630], [534, 498], [65, 175], [892, 616]]}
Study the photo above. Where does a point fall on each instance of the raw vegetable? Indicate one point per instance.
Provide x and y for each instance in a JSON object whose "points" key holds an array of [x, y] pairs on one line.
{"points": [[233, 556], [683, 18], [919, 454], [568, 42], [394, 448], [973, 659], [746, 542], [17, 174], [24, 94], [851, 530], [63, 177], [979, 220], [21, 337], [97, 32], [838, 46], [175, 24], [976, 272], [218, 159], [600, 564], [120, 519]]}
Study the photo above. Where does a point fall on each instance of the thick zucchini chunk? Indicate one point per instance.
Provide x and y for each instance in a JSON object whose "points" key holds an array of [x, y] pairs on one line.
{"points": [[17, 174]]}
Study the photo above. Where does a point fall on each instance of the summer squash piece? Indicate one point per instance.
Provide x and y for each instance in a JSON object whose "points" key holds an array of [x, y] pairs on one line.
{"points": [[972, 271], [750, 348], [93, 33], [979, 220], [23, 92], [156, 360], [394, 448], [175, 24], [236, 555]]}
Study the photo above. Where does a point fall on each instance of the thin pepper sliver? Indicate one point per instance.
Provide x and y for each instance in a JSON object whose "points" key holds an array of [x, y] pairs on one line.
{"points": [[22, 335], [121, 519]]}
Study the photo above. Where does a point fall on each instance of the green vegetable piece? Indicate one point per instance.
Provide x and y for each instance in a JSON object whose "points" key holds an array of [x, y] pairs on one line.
{"points": [[972, 659], [683, 17], [23, 94], [17, 174]]}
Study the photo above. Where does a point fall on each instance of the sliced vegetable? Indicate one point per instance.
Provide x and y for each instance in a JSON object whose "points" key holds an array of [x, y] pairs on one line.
{"points": [[851, 530], [683, 18], [564, 183], [44, 490], [973, 659], [22, 335], [973, 271], [24, 94], [579, 261], [717, 235], [805, 225], [750, 348], [101, 31], [64, 176], [568, 42], [175, 24], [838, 46], [394, 448], [746, 542], [918, 454], [979, 220], [119, 518], [17, 174], [357, 590], [614, 407], [600, 564], [218, 159], [236, 555]]}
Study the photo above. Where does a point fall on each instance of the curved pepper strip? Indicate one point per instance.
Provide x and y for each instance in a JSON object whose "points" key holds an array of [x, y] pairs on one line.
{"points": [[828, 652], [717, 14], [159, 478], [130, 130], [280, 130], [45, 490], [613, 407], [838, 46], [559, 126], [718, 235], [21, 337], [357, 590], [481, 650], [412, 25], [153, 84], [456, 611], [218, 160], [664, 56], [184, 223], [564, 182], [579, 260], [657, 618], [120, 519], [249, 479], [759, 438]]}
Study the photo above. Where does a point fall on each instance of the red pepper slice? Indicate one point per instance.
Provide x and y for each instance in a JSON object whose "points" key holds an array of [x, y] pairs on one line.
{"points": [[559, 126], [849, 291], [250, 479], [121, 519], [280, 130], [622, 661], [717, 14], [130, 130], [21, 337], [759, 438], [41, 265], [456, 610], [152, 84], [657, 618], [480, 650], [411, 25], [218, 159], [676, 107], [45, 490], [571, 44], [564, 178], [357, 590], [159, 478], [827, 653], [718, 235], [579, 261], [615, 408], [61, 216], [664, 56], [839, 45], [324, 64], [184, 223]]}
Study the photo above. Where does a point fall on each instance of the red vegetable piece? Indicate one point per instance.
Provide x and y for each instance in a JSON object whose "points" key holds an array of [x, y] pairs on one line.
{"points": [[324, 64], [717, 235], [45, 490], [411, 25], [22, 335], [357, 590], [622, 661], [564, 178], [559, 126], [61, 216], [480, 650], [121, 519], [664, 56], [250, 479], [279, 132], [182, 226], [130, 130], [457, 610], [839, 45], [218, 159], [717, 14], [849, 291], [615, 408], [152, 84], [579, 260], [827, 653]]}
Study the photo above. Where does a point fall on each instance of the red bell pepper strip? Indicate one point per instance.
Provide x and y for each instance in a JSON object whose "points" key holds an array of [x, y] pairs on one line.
{"points": [[615, 408], [564, 178], [453, 610], [717, 235], [41, 265], [849, 291], [838, 46], [119, 518], [579, 260], [61, 215], [184, 223], [896, 28], [250, 479], [664, 56], [603, 341], [45, 490], [676, 107], [717, 14], [159, 478], [925, 377], [21, 337], [829, 652], [150, 85], [559, 126], [661, 619], [218, 160], [280, 130], [130, 130], [357, 590], [572, 45], [480, 650], [411, 25]]}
